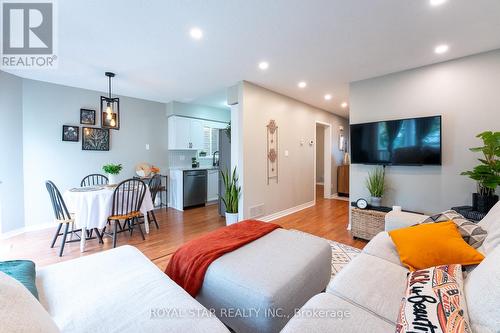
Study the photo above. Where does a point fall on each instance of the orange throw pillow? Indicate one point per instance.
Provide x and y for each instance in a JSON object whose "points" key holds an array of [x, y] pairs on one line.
{"points": [[427, 245]]}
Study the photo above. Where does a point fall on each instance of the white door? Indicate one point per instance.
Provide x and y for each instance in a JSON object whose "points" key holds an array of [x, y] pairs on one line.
{"points": [[213, 185], [196, 134]]}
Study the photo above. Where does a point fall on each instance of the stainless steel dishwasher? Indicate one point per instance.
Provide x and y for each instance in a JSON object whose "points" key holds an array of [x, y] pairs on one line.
{"points": [[195, 188]]}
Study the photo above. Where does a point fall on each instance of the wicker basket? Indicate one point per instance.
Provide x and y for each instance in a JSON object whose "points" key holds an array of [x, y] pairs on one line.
{"points": [[366, 223]]}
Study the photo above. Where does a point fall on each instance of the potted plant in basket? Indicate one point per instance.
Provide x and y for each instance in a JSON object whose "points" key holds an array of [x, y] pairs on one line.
{"points": [[112, 170], [231, 196], [486, 174], [375, 183]]}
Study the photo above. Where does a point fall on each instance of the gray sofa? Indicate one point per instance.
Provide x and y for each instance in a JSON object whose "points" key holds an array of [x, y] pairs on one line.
{"points": [[119, 290], [366, 295]]}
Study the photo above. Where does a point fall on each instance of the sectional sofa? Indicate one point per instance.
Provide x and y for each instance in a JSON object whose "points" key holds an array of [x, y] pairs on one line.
{"points": [[366, 295]]}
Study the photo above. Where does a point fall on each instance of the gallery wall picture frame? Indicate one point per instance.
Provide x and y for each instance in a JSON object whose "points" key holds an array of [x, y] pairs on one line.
{"points": [[70, 133], [94, 138], [87, 117]]}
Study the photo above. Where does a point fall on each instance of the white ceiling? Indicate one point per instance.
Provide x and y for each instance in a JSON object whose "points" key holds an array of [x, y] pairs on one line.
{"points": [[327, 43], [216, 99]]}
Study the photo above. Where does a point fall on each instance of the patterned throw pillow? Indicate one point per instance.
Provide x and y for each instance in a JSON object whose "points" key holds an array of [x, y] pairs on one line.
{"points": [[434, 302], [473, 234]]}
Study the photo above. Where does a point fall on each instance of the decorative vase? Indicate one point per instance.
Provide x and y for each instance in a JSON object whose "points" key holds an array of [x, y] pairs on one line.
{"points": [[231, 218], [375, 201], [112, 179], [483, 203]]}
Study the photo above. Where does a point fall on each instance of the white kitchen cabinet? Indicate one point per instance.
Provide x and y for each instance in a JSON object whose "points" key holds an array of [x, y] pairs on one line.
{"points": [[185, 133], [213, 185], [179, 133], [175, 189], [196, 134], [188, 133]]}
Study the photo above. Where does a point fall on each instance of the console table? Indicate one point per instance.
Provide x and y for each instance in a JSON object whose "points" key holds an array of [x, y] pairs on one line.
{"points": [[366, 223]]}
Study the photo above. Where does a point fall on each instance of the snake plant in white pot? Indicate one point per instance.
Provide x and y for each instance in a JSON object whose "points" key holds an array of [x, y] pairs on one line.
{"points": [[231, 195], [375, 183]]}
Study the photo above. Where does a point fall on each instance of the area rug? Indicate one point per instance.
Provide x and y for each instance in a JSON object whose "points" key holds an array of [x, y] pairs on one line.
{"points": [[342, 254]]}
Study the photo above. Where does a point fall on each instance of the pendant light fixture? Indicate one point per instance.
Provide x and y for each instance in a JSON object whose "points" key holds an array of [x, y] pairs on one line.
{"points": [[110, 108]]}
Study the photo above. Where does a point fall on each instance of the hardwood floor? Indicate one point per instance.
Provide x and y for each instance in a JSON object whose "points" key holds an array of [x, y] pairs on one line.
{"points": [[327, 219]]}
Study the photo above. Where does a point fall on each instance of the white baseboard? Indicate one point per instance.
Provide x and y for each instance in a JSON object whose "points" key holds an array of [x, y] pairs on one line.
{"points": [[29, 228], [286, 212], [337, 197]]}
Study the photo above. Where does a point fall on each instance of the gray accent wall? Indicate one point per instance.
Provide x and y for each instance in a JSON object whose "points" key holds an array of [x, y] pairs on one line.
{"points": [[11, 152], [47, 107], [466, 92]]}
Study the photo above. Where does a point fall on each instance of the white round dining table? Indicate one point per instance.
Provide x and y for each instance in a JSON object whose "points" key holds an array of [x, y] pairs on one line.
{"points": [[92, 207]]}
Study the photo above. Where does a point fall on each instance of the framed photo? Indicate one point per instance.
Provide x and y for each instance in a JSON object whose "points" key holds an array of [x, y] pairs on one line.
{"points": [[87, 117], [95, 138], [70, 133]]}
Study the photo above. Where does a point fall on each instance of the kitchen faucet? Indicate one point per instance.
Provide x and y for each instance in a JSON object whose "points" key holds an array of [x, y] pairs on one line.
{"points": [[214, 161]]}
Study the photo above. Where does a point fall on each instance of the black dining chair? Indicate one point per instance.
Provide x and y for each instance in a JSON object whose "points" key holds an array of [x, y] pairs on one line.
{"points": [[154, 187], [93, 180], [61, 214], [127, 201]]}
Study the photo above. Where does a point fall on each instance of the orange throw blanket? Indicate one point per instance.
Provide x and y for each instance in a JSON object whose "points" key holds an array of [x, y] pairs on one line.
{"points": [[188, 265]]}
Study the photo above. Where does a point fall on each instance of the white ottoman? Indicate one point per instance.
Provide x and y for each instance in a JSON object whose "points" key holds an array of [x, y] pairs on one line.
{"points": [[258, 287]]}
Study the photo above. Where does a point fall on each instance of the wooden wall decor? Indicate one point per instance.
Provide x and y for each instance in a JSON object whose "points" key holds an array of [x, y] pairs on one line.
{"points": [[272, 151]]}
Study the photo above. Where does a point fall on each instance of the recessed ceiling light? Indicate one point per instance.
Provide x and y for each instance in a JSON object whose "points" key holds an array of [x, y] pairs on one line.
{"points": [[440, 49], [196, 33], [263, 65], [328, 97], [344, 105], [437, 2], [302, 84]]}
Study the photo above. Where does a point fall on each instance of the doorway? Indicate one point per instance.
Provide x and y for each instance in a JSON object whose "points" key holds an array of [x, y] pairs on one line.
{"points": [[323, 160]]}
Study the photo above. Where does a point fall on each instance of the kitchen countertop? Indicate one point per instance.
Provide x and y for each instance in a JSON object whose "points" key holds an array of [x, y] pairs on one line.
{"points": [[190, 168]]}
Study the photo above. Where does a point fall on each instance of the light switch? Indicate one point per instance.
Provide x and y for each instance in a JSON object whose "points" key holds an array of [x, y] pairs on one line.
{"points": [[147, 146], [286, 153]]}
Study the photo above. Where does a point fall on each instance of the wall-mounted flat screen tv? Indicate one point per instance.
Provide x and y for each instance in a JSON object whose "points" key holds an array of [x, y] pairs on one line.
{"points": [[415, 141]]}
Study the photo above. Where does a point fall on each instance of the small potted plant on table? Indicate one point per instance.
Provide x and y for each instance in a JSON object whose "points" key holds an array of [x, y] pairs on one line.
{"points": [[486, 174], [231, 196], [112, 170], [375, 183]]}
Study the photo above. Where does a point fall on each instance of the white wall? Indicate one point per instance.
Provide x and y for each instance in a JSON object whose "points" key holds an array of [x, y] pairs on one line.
{"points": [[466, 92], [47, 107], [296, 122], [11, 150]]}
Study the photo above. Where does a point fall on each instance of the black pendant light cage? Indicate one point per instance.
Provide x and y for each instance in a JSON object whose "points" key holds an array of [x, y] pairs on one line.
{"points": [[110, 118]]}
